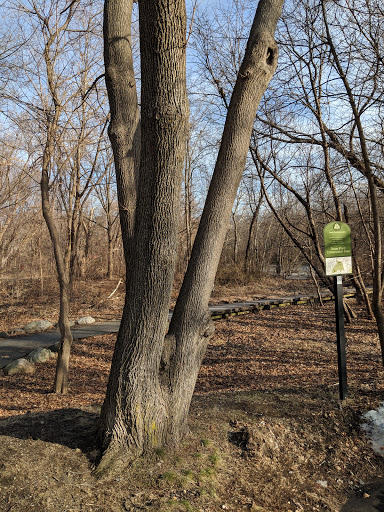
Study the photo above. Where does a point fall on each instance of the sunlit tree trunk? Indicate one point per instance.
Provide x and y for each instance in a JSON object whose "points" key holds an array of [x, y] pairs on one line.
{"points": [[152, 375]]}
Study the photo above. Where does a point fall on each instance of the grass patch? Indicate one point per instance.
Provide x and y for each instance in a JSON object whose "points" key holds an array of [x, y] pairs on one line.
{"points": [[160, 453], [169, 476], [214, 459]]}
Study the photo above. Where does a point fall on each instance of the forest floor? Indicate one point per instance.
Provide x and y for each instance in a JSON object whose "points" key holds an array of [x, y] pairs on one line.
{"points": [[23, 300], [268, 432]]}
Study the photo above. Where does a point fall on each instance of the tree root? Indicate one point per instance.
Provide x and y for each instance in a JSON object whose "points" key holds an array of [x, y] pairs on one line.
{"points": [[114, 462]]}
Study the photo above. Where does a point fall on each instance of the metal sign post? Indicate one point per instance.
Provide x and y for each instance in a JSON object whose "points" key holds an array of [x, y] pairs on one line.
{"points": [[340, 333], [338, 262]]}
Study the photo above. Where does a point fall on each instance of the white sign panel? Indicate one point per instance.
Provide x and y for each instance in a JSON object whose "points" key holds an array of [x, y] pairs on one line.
{"points": [[338, 266]]}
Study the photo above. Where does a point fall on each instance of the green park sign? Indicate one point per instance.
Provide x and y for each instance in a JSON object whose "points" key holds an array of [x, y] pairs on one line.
{"points": [[338, 261], [338, 249]]}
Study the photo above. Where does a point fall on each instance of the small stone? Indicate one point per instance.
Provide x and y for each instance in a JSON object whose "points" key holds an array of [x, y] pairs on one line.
{"points": [[323, 483], [21, 366], [37, 326], [85, 320], [366, 495], [40, 355]]}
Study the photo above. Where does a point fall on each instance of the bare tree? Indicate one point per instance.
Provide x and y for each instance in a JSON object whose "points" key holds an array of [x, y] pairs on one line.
{"points": [[17, 196], [152, 375], [65, 130], [106, 194]]}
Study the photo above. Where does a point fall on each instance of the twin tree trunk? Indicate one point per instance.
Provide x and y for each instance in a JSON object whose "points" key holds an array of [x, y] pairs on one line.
{"points": [[153, 374]]}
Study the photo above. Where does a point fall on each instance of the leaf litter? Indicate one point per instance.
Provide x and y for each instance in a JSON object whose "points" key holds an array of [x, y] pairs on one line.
{"points": [[268, 432]]}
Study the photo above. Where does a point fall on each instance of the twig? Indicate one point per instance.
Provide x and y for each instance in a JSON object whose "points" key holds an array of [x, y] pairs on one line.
{"points": [[110, 295]]}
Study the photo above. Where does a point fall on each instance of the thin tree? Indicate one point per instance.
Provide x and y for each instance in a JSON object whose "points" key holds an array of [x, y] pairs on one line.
{"points": [[51, 91]]}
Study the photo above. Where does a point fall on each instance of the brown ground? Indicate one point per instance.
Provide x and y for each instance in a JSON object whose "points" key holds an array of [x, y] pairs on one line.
{"points": [[23, 301], [266, 425]]}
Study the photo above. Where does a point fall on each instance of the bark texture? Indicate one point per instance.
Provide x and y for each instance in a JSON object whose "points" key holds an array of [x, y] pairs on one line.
{"points": [[153, 375], [124, 128]]}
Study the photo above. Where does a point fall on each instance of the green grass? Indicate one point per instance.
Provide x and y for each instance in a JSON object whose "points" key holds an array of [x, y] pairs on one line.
{"points": [[169, 476]]}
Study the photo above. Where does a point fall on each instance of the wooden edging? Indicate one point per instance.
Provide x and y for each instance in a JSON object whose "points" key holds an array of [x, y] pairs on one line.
{"points": [[274, 303]]}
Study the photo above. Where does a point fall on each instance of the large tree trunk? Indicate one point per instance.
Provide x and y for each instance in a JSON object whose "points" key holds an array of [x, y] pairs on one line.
{"points": [[152, 375], [134, 415]]}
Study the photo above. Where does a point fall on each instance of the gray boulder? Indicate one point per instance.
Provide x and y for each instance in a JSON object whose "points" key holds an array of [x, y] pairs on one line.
{"points": [[39, 355], [85, 320], [37, 326], [19, 366]]}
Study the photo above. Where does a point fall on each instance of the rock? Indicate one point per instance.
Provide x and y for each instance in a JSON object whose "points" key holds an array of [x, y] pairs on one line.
{"points": [[3, 334], [85, 320], [16, 332], [19, 366], [37, 326], [39, 355]]}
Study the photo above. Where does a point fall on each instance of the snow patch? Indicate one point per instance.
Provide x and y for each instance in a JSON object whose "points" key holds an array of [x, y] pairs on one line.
{"points": [[374, 428]]}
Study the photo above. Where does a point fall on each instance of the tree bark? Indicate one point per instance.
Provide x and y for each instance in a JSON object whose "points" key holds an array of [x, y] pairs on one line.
{"points": [[124, 128], [152, 375], [134, 417]]}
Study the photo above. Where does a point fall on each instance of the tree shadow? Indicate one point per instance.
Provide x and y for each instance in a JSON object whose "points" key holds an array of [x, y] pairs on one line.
{"points": [[368, 498], [74, 428]]}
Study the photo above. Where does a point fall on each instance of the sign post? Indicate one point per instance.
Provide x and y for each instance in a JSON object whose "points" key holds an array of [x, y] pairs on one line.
{"points": [[340, 333], [338, 262]]}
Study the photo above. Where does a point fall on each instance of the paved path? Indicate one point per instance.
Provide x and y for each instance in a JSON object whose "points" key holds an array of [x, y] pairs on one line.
{"points": [[18, 346]]}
